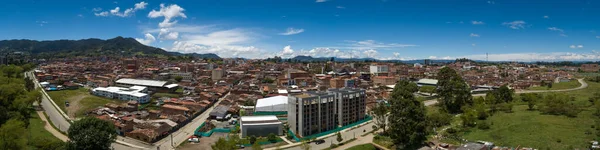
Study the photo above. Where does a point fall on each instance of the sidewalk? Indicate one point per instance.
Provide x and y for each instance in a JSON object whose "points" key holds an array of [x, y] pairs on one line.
{"points": [[51, 129], [285, 139]]}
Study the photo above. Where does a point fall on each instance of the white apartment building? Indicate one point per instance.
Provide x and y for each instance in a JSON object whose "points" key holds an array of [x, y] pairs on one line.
{"points": [[134, 93]]}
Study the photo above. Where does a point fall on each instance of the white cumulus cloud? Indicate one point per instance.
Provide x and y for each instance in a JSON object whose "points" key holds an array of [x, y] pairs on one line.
{"points": [[576, 46], [292, 31], [149, 38], [474, 35], [530, 57], [518, 24], [168, 12], [555, 29], [117, 11], [477, 22]]}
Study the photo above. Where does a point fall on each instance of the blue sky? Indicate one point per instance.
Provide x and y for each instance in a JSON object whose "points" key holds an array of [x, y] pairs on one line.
{"points": [[549, 30]]}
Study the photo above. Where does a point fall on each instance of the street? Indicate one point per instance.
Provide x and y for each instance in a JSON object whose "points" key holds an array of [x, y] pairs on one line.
{"points": [[183, 133], [125, 143], [349, 134]]}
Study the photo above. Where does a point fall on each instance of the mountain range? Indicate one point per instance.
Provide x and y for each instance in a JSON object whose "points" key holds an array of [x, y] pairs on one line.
{"points": [[90, 47]]}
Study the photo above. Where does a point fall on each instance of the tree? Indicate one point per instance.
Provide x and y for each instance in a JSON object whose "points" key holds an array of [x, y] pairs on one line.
{"points": [[223, 144], [256, 146], [549, 85], [272, 138], [91, 133], [438, 118], [531, 99], [13, 135], [339, 137], [380, 113], [29, 84], [468, 117], [504, 94], [493, 101], [252, 139], [408, 124], [178, 78], [453, 91], [480, 107]]}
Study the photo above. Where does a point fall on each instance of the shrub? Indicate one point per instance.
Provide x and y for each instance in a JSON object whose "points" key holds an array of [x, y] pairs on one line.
{"points": [[506, 107], [560, 104], [483, 125], [272, 138]]}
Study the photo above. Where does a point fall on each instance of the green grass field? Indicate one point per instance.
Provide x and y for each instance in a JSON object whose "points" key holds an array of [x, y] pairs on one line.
{"points": [[59, 97], [92, 102], [532, 129], [527, 128], [37, 132], [559, 86], [86, 102], [362, 147]]}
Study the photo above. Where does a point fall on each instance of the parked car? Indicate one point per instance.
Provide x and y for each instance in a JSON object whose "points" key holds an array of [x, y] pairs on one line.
{"points": [[321, 141]]}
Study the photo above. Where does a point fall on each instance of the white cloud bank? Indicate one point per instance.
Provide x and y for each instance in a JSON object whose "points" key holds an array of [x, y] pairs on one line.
{"points": [[117, 11]]}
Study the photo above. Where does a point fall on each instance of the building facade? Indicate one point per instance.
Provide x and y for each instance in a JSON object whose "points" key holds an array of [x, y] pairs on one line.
{"points": [[217, 74], [590, 67], [377, 69], [260, 126], [134, 93], [319, 111]]}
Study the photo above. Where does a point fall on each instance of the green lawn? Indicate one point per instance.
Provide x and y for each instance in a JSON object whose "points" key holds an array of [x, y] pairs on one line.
{"points": [[59, 97], [362, 147], [37, 133], [533, 129], [558, 86], [92, 102], [87, 102]]}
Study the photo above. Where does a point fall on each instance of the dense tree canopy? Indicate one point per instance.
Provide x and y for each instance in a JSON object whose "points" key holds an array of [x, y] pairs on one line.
{"points": [[453, 91], [90, 134], [15, 107], [380, 114], [13, 135], [407, 119]]}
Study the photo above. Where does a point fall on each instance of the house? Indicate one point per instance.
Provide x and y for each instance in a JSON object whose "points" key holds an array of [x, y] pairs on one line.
{"points": [[147, 135], [589, 67], [168, 109]]}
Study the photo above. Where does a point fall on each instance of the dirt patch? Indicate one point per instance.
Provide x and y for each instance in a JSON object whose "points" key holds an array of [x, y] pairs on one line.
{"points": [[205, 142], [74, 104]]}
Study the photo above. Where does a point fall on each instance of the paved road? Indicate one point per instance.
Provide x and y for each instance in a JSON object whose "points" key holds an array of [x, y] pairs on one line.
{"points": [[125, 143], [346, 135], [183, 133], [53, 113], [51, 129], [581, 81]]}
